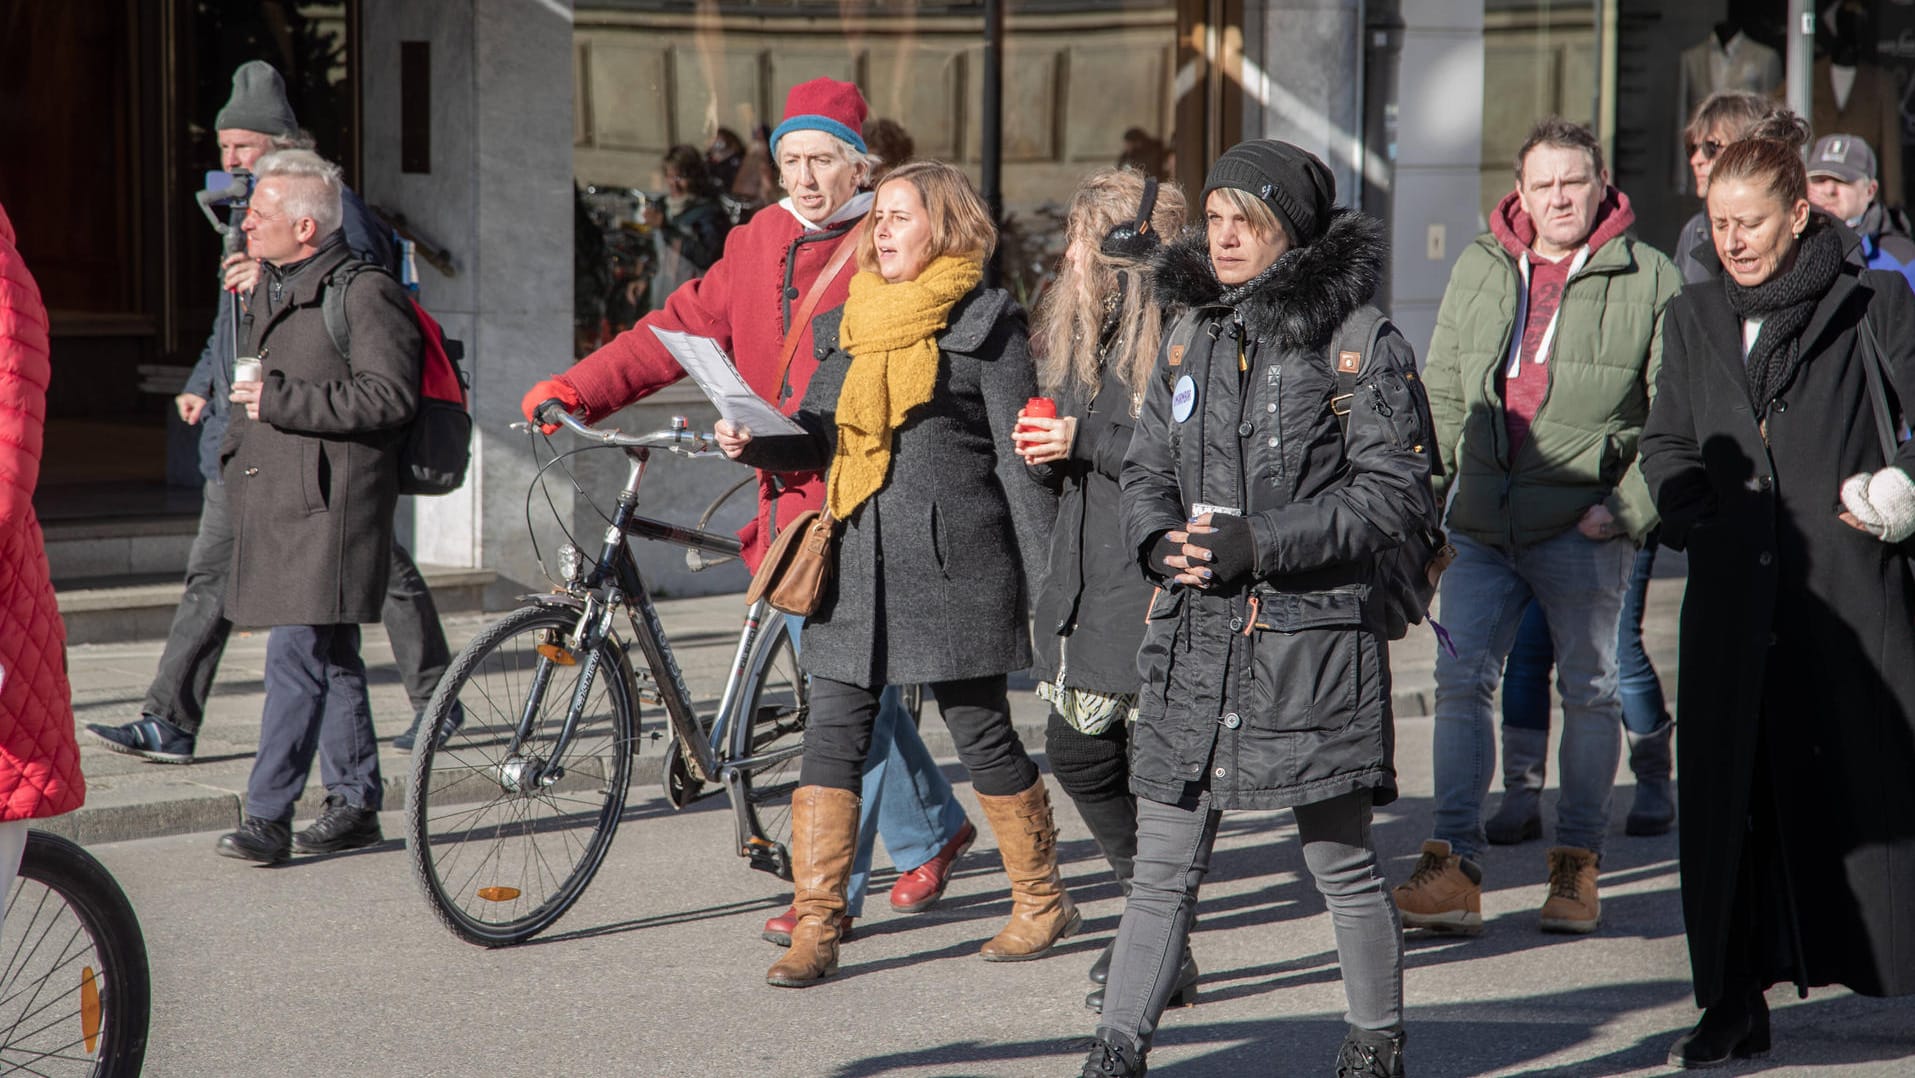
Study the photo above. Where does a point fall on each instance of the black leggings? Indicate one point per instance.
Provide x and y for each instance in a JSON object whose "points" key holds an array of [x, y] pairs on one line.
{"points": [[1090, 767], [976, 710]]}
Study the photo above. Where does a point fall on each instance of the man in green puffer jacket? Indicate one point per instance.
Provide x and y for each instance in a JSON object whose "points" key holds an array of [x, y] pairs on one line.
{"points": [[1540, 375]]}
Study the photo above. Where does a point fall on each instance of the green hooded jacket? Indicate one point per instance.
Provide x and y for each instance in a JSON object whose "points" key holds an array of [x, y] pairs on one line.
{"points": [[1607, 349]]}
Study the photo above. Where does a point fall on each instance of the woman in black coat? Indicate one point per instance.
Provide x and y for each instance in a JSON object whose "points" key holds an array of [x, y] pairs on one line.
{"points": [[1797, 696], [1265, 665], [941, 530], [1097, 332]]}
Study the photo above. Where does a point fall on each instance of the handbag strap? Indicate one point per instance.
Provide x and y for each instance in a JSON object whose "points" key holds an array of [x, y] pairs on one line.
{"points": [[1877, 389], [846, 244]]}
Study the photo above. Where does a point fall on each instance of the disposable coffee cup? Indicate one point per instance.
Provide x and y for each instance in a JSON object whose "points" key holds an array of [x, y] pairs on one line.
{"points": [[247, 369]]}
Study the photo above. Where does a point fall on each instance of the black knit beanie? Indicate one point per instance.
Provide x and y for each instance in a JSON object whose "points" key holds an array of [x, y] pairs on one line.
{"points": [[258, 102], [1296, 186]]}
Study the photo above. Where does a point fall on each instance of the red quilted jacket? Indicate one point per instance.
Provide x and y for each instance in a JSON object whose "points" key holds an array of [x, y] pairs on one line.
{"points": [[39, 762]]}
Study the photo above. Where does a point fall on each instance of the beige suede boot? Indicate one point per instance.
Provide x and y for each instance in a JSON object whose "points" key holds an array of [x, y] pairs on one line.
{"points": [[1041, 913]]}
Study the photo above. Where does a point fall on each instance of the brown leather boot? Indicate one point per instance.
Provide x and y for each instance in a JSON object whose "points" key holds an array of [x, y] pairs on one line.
{"points": [[1041, 913], [824, 836]]}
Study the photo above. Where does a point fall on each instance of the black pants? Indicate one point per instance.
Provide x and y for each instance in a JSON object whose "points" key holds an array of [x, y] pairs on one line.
{"points": [[976, 710], [197, 638]]}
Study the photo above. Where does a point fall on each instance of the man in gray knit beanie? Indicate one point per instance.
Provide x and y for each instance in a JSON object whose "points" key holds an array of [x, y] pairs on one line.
{"points": [[258, 102], [256, 120]]}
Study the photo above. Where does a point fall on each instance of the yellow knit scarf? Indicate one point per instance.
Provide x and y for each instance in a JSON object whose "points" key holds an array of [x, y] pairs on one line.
{"points": [[890, 331]]}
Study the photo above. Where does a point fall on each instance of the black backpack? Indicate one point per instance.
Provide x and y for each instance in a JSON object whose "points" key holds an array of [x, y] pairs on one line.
{"points": [[1406, 575], [438, 444]]}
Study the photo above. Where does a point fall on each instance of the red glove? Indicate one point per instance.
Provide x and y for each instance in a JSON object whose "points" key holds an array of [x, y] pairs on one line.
{"points": [[551, 389]]}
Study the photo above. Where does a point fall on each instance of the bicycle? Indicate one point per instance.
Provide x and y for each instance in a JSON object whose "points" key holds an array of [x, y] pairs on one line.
{"points": [[75, 991], [515, 796]]}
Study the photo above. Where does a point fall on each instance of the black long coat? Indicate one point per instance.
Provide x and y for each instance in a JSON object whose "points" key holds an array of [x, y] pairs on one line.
{"points": [[1797, 698], [313, 483], [933, 571], [1285, 702], [1089, 616]]}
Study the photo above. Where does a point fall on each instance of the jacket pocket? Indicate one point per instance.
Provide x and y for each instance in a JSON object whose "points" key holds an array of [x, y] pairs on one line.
{"points": [[1306, 660], [1161, 619], [315, 475], [937, 543]]}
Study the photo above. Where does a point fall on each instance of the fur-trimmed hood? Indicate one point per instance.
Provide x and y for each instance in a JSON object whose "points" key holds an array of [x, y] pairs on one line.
{"points": [[1303, 298]]}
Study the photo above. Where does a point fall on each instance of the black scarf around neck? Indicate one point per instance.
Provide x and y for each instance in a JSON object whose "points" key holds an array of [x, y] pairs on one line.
{"points": [[1784, 303]]}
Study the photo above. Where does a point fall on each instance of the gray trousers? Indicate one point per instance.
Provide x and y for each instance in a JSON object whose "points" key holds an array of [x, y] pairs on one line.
{"points": [[316, 704], [197, 638], [1173, 854]]}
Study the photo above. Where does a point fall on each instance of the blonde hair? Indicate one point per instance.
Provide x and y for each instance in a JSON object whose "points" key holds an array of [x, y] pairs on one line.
{"points": [[1071, 314], [1263, 220], [960, 223]]}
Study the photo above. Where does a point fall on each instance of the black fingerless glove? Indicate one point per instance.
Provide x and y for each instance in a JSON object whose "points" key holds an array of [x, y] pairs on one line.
{"points": [[1233, 549], [1161, 549]]}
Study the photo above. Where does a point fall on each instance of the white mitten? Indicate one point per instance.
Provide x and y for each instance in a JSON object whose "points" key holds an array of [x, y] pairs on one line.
{"points": [[1884, 502]]}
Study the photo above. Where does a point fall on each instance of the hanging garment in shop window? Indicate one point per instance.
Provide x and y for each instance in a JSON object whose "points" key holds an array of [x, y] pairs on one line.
{"points": [[1734, 62]]}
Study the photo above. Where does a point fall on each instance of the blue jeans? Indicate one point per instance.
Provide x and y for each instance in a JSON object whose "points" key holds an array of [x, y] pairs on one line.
{"points": [[906, 800], [1526, 675], [1579, 584]]}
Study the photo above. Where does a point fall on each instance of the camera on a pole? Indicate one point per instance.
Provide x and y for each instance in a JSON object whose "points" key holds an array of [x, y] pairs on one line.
{"points": [[233, 191]]}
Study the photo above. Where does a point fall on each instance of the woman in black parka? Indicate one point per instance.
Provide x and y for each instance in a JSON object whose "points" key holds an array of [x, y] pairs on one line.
{"points": [[1265, 667], [1797, 695], [1096, 335]]}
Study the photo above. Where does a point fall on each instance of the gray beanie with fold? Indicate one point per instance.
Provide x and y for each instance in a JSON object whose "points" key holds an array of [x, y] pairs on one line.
{"points": [[258, 102]]}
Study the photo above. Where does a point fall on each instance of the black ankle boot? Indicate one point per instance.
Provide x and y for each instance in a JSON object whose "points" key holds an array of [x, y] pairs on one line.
{"points": [[1736, 1027], [1367, 1053], [1184, 995], [1113, 1055], [1100, 969]]}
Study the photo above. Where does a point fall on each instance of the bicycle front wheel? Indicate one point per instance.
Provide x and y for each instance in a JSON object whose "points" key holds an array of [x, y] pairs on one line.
{"points": [[767, 751], [504, 832], [75, 993]]}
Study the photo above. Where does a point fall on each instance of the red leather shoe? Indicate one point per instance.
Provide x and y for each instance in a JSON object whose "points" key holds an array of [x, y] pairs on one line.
{"points": [[778, 929], [919, 889]]}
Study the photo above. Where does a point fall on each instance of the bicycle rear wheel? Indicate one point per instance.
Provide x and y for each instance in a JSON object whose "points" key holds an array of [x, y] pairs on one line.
{"points": [[768, 748], [75, 993], [504, 839]]}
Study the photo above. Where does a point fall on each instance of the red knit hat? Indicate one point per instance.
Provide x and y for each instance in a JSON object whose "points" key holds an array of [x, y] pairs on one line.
{"points": [[836, 108]]}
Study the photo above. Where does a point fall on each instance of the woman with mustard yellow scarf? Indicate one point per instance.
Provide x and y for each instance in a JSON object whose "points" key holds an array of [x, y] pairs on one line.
{"points": [[942, 535]]}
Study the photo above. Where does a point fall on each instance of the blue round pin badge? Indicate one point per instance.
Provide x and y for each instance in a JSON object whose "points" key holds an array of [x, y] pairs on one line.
{"points": [[1183, 399]]}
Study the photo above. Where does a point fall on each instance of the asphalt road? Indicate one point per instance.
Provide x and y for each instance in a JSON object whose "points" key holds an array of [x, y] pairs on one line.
{"points": [[334, 966]]}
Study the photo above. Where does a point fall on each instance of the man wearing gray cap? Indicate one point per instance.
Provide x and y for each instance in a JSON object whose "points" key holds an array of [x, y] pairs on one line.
{"points": [[1842, 184], [257, 119]]}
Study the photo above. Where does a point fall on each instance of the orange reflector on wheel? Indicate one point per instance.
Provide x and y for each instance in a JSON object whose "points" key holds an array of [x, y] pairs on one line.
{"points": [[558, 654], [89, 1007], [498, 894]]}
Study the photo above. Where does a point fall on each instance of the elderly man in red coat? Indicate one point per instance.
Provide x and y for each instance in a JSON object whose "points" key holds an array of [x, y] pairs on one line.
{"points": [[790, 262], [39, 762]]}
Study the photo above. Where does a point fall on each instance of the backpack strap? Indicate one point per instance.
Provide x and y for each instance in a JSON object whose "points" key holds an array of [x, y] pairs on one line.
{"points": [[332, 305], [1349, 352]]}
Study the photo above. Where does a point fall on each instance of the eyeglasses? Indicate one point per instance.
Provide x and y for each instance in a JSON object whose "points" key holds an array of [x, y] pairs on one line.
{"points": [[1710, 148]]}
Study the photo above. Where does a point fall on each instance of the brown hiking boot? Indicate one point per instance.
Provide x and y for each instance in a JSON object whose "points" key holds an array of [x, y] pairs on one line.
{"points": [[1041, 913], [1572, 905], [1443, 894]]}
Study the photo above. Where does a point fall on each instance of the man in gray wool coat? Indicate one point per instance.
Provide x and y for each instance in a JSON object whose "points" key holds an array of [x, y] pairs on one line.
{"points": [[310, 464]]}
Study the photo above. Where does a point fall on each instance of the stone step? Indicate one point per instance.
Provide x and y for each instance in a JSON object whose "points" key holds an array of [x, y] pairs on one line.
{"points": [[134, 607], [139, 546]]}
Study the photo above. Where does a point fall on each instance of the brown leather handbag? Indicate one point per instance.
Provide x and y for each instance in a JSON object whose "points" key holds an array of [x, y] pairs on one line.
{"points": [[798, 566]]}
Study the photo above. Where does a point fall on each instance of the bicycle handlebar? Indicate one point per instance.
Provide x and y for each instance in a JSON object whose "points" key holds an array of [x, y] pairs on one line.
{"points": [[680, 438]]}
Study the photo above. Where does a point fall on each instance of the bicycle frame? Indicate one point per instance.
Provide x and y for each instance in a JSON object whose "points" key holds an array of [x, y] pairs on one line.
{"points": [[612, 581]]}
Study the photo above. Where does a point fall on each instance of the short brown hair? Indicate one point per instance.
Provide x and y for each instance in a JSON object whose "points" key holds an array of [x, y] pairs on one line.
{"points": [[1556, 131], [1770, 155], [960, 223], [1739, 110]]}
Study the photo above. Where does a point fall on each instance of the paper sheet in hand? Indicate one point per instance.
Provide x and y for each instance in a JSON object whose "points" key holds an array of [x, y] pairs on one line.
{"points": [[711, 368]]}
